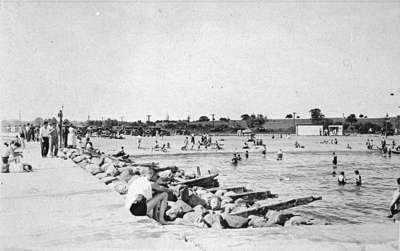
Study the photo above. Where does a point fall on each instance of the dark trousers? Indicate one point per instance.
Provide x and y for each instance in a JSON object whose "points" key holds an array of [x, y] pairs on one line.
{"points": [[54, 147], [45, 146]]}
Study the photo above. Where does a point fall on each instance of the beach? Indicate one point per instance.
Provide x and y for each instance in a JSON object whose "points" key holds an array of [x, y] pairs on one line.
{"points": [[60, 206]]}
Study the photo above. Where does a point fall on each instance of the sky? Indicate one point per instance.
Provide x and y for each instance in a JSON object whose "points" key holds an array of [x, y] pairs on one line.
{"points": [[116, 59]]}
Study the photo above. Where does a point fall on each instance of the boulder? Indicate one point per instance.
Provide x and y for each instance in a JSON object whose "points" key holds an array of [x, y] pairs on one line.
{"points": [[199, 209], [126, 175], [94, 169], [235, 221], [214, 220], [121, 187], [229, 193], [275, 217], [195, 200], [178, 209], [229, 207], [215, 203], [79, 159], [100, 175], [226, 200], [258, 221], [111, 170], [220, 193], [195, 219], [238, 208], [296, 221]]}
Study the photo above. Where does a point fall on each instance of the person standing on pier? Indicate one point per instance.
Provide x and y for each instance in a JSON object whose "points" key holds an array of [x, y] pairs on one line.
{"points": [[53, 140], [44, 135]]}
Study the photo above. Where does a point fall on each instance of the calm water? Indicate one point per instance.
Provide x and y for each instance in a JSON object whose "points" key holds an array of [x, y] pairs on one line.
{"points": [[304, 174]]}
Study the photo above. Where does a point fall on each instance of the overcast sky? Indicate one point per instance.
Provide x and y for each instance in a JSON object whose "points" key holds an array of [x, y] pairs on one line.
{"points": [[113, 59]]}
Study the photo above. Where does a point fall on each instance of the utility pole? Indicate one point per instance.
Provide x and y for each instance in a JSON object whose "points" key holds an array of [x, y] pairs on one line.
{"points": [[19, 116], [386, 122], [294, 122], [148, 117], [213, 119], [60, 115]]}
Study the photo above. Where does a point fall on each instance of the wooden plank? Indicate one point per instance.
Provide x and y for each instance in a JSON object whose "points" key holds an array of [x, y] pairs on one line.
{"points": [[108, 179], [250, 196], [278, 206], [238, 189], [193, 182]]}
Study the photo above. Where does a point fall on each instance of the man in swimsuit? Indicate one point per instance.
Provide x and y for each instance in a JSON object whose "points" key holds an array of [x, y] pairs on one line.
{"points": [[140, 200], [358, 178]]}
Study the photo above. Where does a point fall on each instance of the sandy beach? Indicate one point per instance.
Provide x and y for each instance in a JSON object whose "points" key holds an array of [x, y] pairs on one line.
{"points": [[59, 206]]}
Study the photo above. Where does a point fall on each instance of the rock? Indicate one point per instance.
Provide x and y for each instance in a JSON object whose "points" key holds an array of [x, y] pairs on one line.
{"points": [[206, 196], [240, 202], [296, 221], [111, 170], [126, 175], [178, 209], [199, 209], [229, 207], [195, 200], [226, 200], [275, 217], [257, 221], [121, 187], [215, 203], [100, 175], [94, 169], [214, 221], [229, 193], [235, 221], [238, 208], [195, 219], [220, 193]]}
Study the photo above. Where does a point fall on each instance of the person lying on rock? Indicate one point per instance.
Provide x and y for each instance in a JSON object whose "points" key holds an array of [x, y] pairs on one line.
{"points": [[140, 199]]}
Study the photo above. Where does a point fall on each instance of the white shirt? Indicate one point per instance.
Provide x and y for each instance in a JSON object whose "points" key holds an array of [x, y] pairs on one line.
{"points": [[44, 132], [139, 186]]}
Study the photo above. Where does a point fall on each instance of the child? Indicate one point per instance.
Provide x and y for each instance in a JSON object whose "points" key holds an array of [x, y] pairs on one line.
{"points": [[280, 155], [358, 178], [246, 154]]}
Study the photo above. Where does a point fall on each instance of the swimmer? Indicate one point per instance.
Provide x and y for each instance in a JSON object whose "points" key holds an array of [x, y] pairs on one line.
{"points": [[238, 157], [264, 151], [358, 178], [234, 159], [246, 155], [334, 161], [341, 179], [280, 155]]}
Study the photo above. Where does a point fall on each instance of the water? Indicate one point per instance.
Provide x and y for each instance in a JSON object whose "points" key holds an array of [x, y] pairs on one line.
{"points": [[303, 173]]}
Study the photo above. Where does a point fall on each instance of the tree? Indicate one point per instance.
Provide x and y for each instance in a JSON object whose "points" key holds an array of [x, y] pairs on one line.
{"points": [[316, 115], [53, 121], [351, 119], [224, 119], [289, 116], [38, 121], [361, 116], [245, 116], [204, 118]]}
